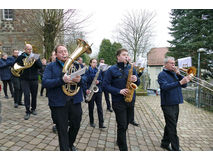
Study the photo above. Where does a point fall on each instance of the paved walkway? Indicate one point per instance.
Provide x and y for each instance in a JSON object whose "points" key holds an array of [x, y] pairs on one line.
{"points": [[195, 128]]}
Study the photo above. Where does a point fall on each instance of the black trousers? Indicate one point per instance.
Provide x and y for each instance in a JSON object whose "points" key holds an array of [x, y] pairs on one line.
{"points": [[30, 87], [106, 95], [53, 115], [17, 90], [9, 82], [96, 98], [123, 112], [132, 116], [42, 89], [170, 131], [67, 119]]}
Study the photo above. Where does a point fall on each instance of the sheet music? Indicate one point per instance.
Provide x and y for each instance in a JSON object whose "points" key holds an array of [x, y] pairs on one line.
{"points": [[185, 62], [78, 72], [33, 56], [141, 63], [103, 67]]}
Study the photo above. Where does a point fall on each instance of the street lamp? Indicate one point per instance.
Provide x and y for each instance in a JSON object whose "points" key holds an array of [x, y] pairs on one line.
{"points": [[200, 50]]}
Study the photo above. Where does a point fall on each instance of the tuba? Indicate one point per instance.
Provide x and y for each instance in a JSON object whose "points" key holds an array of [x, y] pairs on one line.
{"points": [[130, 86], [71, 89]]}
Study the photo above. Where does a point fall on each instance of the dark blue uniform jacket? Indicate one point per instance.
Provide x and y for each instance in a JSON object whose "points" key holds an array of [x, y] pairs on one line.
{"points": [[89, 76], [52, 80], [115, 79], [170, 88], [5, 66]]}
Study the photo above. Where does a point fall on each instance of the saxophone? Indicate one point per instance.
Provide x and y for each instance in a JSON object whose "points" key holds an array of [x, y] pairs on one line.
{"points": [[93, 88], [130, 86]]}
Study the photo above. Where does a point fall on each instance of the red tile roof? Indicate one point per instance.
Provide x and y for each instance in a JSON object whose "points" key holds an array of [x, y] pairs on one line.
{"points": [[156, 56]]}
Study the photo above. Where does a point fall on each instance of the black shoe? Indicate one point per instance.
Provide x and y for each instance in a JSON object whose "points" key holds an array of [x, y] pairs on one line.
{"points": [[102, 126], [168, 148], [73, 148], [21, 104], [54, 129], [109, 110], [34, 112], [134, 123], [27, 116], [92, 125], [6, 97], [176, 150], [15, 105]]}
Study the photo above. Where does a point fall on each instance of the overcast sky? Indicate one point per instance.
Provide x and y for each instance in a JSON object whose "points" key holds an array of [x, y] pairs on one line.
{"points": [[103, 23], [107, 14]]}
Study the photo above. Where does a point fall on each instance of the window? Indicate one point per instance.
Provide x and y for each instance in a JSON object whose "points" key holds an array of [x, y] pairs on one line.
{"points": [[7, 14]]}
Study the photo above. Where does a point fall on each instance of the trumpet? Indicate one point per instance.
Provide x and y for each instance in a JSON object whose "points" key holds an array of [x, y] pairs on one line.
{"points": [[191, 71]]}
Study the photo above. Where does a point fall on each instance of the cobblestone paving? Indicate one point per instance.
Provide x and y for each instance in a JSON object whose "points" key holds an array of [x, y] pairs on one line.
{"points": [[195, 128]]}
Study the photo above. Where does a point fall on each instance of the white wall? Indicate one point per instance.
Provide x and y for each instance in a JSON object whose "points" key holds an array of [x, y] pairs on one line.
{"points": [[153, 73]]}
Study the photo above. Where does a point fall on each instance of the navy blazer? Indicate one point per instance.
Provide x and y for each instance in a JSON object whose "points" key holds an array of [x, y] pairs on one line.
{"points": [[170, 88], [5, 66], [89, 76], [115, 79], [52, 80]]}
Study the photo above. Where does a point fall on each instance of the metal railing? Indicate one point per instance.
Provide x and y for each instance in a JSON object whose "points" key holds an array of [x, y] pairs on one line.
{"points": [[206, 98]]}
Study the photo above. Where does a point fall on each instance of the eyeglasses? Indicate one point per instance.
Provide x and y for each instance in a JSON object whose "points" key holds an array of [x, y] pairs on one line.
{"points": [[171, 63]]}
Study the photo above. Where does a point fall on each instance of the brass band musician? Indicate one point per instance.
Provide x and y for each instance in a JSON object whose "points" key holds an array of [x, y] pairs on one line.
{"points": [[66, 110], [89, 78], [171, 82], [29, 81], [115, 82]]}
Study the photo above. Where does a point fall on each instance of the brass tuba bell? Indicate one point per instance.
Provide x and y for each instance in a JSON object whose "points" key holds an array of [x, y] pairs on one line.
{"points": [[71, 89]]}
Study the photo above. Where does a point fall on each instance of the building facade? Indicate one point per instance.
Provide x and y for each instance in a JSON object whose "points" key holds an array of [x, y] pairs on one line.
{"points": [[13, 31], [155, 58]]}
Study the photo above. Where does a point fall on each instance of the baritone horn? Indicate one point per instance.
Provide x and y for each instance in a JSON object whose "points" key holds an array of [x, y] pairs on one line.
{"points": [[17, 69], [71, 89]]}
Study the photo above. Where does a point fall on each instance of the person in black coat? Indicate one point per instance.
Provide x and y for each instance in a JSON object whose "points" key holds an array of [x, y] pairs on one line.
{"points": [[171, 82], [29, 81], [5, 73]]}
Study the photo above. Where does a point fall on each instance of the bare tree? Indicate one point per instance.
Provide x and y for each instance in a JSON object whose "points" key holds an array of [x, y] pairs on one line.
{"points": [[52, 25], [135, 31]]}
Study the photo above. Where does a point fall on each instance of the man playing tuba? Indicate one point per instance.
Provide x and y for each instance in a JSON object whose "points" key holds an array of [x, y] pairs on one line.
{"points": [[115, 82], [66, 109], [29, 79]]}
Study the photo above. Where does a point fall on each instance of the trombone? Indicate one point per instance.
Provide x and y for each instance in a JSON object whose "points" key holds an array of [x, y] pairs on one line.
{"points": [[191, 71]]}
